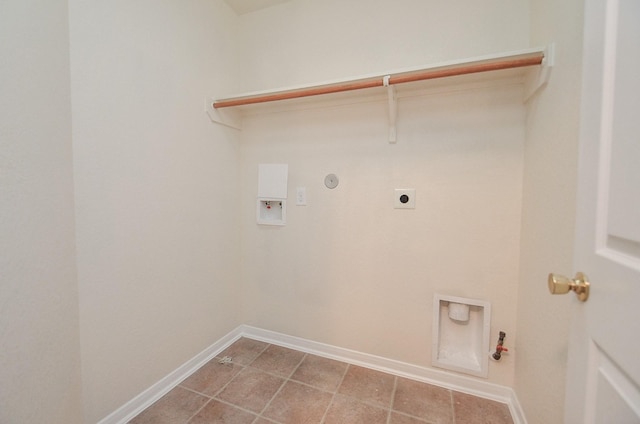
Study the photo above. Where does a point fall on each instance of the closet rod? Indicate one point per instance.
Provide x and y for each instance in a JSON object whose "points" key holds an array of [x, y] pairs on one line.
{"points": [[450, 71]]}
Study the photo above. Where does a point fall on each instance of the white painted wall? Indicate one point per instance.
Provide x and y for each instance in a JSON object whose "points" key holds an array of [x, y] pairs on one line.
{"points": [[348, 269], [307, 41], [548, 215], [39, 334], [156, 190]]}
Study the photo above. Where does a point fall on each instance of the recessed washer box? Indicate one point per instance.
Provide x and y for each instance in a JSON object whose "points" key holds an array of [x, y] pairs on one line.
{"points": [[461, 329], [404, 198]]}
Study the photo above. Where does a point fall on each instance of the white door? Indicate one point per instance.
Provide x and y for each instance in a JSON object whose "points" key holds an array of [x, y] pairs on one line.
{"points": [[604, 354]]}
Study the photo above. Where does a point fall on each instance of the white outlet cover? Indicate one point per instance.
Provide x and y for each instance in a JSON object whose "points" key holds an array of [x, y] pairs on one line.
{"points": [[404, 198], [301, 196]]}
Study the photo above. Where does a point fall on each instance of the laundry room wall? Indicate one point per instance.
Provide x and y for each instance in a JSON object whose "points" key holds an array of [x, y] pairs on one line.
{"points": [[348, 269], [39, 327], [549, 208], [155, 185]]}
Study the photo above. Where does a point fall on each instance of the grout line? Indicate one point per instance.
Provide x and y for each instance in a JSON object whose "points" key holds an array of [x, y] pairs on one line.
{"points": [[292, 380], [286, 377], [213, 397], [393, 398], [335, 393], [194, 391], [259, 353], [289, 380], [284, 382], [235, 407], [453, 409], [297, 366], [198, 411], [413, 417], [242, 368], [260, 417]]}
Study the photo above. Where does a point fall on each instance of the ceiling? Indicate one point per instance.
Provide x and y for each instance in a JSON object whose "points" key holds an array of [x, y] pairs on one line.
{"points": [[245, 6]]}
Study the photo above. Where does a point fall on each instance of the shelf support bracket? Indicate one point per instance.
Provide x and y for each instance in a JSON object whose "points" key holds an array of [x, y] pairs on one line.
{"points": [[393, 108], [539, 77], [227, 117]]}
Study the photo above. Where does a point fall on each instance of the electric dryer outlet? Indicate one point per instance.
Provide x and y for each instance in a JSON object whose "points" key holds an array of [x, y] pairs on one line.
{"points": [[404, 198]]}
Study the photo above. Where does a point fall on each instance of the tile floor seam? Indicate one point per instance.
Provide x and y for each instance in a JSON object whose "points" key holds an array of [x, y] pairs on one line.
{"points": [[215, 399], [235, 406], [284, 383], [221, 389], [297, 366], [198, 411], [335, 392], [195, 391], [274, 374], [366, 402], [453, 408], [248, 411], [309, 385], [269, 373], [422, 420], [293, 380], [261, 352], [260, 417], [252, 359], [302, 384], [393, 398]]}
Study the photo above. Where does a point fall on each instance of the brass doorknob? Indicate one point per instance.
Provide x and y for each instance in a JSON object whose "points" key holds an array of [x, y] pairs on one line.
{"points": [[559, 284]]}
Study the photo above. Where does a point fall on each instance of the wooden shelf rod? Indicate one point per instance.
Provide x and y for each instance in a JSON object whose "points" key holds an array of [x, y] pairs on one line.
{"points": [[447, 71]]}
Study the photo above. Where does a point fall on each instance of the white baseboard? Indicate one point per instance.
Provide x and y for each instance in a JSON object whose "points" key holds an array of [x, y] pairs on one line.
{"points": [[427, 375], [145, 399]]}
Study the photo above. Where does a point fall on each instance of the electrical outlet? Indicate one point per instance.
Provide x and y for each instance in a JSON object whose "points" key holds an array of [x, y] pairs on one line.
{"points": [[404, 198], [301, 196]]}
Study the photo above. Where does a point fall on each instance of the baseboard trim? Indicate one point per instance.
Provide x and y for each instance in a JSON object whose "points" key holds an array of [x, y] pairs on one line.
{"points": [[427, 375], [145, 399]]}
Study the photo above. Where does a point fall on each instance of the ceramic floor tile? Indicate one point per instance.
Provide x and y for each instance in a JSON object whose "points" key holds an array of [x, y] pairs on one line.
{"points": [[251, 389], [278, 360], [347, 410], [211, 377], [323, 373], [424, 401], [219, 413], [298, 404], [244, 350], [473, 410], [368, 385], [176, 407]]}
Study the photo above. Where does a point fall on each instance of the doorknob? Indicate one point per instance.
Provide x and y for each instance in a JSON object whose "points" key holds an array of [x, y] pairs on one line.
{"points": [[559, 284]]}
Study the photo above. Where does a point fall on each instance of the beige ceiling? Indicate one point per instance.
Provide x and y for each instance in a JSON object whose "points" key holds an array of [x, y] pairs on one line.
{"points": [[245, 6]]}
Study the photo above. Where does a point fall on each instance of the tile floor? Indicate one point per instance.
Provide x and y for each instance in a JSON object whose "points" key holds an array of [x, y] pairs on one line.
{"points": [[269, 384]]}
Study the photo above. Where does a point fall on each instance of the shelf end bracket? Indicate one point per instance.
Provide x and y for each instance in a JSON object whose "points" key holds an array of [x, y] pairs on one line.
{"points": [[393, 108], [228, 118], [538, 78]]}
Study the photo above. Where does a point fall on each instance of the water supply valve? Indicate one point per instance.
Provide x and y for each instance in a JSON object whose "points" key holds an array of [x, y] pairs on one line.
{"points": [[500, 348]]}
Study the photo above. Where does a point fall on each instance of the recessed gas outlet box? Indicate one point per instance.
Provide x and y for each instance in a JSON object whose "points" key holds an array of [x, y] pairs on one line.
{"points": [[404, 198]]}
